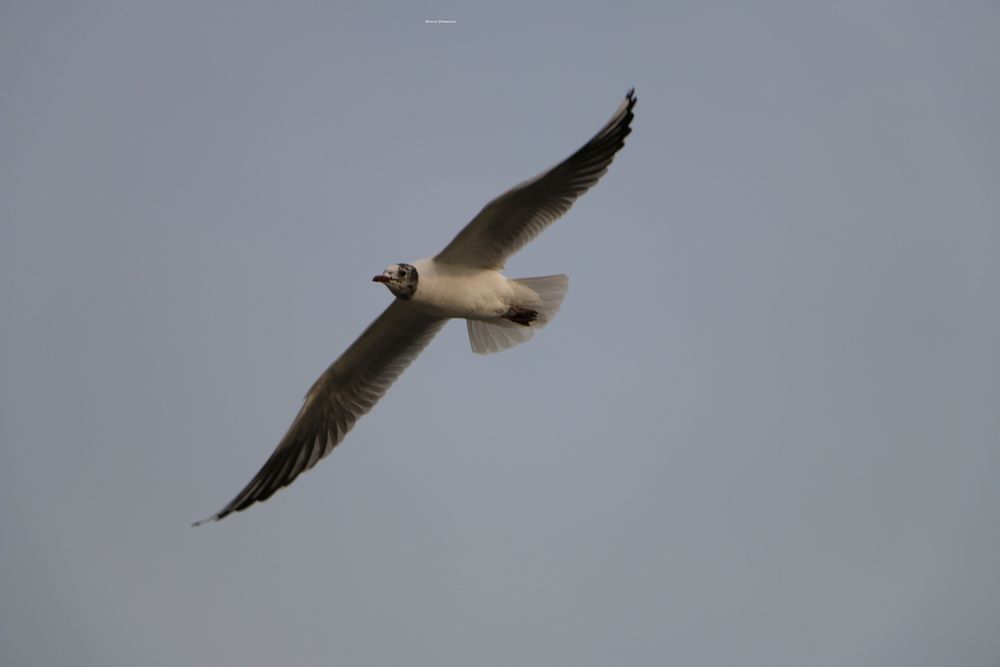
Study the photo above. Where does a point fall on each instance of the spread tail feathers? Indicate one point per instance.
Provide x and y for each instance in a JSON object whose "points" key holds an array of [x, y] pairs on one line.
{"points": [[543, 294]]}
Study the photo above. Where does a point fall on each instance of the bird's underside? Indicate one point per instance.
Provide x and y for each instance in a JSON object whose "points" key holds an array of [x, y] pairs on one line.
{"points": [[352, 385]]}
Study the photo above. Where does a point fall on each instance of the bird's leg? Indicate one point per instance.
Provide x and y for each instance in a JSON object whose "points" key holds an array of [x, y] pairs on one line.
{"points": [[519, 315]]}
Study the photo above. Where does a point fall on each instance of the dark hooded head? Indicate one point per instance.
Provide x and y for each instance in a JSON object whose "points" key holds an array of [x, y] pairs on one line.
{"points": [[401, 279]]}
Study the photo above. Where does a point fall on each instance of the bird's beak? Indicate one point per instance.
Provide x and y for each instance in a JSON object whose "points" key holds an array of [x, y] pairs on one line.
{"points": [[381, 278]]}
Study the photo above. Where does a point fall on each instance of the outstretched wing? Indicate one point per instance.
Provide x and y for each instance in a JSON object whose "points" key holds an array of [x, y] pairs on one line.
{"points": [[508, 222], [349, 388]]}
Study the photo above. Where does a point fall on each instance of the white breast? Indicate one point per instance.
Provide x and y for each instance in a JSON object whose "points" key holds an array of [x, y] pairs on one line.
{"points": [[448, 290]]}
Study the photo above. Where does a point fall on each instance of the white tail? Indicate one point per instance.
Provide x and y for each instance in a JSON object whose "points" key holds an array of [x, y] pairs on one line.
{"points": [[543, 294]]}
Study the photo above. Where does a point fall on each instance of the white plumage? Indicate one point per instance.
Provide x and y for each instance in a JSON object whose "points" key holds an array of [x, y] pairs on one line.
{"points": [[544, 295]]}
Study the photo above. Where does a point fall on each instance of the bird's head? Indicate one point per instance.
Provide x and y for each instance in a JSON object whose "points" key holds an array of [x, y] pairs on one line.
{"points": [[401, 279]]}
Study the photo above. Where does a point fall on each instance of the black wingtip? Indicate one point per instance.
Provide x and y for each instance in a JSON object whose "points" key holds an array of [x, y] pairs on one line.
{"points": [[210, 519]]}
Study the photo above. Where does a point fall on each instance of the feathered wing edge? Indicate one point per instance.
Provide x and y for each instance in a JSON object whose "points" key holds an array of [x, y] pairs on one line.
{"points": [[514, 218], [348, 389]]}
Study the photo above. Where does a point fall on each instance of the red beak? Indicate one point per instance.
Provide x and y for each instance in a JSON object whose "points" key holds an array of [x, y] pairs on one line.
{"points": [[381, 279]]}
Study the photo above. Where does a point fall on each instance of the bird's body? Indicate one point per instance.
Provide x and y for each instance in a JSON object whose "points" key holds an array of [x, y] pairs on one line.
{"points": [[456, 291], [463, 281]]}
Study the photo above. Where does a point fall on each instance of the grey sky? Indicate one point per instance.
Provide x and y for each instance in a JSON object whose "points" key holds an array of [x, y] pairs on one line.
{"points": [[763, 430]]}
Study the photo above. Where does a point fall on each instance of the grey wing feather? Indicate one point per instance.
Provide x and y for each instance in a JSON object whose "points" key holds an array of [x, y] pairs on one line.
{"points": [[348, 389], [514, 218]]}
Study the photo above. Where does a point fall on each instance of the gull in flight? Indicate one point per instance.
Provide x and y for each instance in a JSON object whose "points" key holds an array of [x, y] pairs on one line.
{"points": [[462, 281]]}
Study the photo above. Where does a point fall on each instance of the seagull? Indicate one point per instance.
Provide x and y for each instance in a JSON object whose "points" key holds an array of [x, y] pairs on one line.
{"points": [[462, 281]]}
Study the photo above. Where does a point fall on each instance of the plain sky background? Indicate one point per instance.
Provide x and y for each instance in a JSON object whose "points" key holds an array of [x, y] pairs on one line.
{"points": [[763, 430]]}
